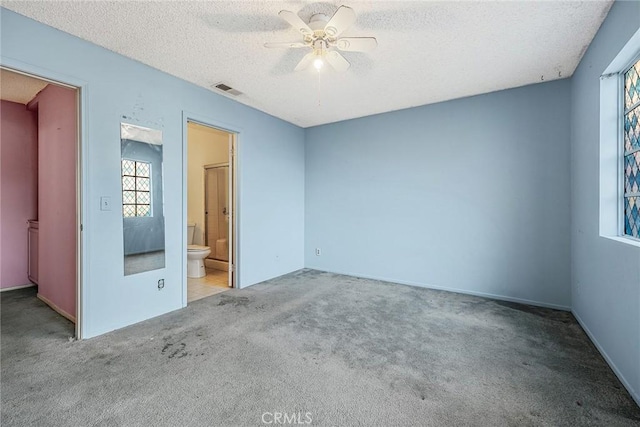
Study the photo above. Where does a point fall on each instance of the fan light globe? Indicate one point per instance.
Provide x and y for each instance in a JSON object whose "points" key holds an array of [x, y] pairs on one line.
{"points": [[318, 63]]}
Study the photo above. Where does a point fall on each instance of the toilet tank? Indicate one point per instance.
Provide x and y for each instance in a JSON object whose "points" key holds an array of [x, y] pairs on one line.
{"points": [[191, 229]]}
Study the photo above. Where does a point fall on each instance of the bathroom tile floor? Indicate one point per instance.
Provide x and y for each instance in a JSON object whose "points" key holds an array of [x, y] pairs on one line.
{"points": [[214, 282]]}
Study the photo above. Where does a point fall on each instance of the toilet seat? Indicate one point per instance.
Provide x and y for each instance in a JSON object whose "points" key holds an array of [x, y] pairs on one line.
{"points": [[192, 248]]}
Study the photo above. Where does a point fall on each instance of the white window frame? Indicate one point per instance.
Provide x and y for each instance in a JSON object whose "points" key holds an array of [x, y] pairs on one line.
{"points": [[612, 143], [122, 190], [621, 107]]}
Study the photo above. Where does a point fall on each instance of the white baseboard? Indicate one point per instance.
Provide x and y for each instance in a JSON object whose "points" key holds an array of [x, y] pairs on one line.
{"points": [[13, 288], [455, 290], [56, 308], [635, 395]]}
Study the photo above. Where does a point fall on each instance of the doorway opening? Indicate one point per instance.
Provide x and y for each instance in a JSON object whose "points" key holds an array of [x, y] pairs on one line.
{"points": [[210, 210], [41, 191]]}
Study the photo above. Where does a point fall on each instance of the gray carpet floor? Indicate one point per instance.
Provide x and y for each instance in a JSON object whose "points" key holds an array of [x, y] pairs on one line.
{"points": [[319, 347]]}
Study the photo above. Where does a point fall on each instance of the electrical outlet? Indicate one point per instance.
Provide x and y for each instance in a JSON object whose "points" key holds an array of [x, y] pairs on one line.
{"points": [[318, 252]]}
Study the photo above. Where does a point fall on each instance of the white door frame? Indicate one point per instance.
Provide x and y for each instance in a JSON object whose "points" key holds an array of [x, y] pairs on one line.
{"points": [[234, 161], [82, 156]]}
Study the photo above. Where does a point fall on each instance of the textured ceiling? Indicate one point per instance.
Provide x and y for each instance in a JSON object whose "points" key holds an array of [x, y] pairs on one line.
{"points": [[427, 51], [18, 88]]}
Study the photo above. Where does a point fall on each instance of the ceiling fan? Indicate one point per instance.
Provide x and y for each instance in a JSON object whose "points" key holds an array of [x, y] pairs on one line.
{"points": [[321, 35]]}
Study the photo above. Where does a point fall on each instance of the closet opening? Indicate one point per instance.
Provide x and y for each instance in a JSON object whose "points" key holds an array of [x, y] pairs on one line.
{"points": [[40, 183]]}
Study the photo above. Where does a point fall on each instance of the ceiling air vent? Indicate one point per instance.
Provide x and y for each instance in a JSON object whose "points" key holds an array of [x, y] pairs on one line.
{"points": [[227, 89]]}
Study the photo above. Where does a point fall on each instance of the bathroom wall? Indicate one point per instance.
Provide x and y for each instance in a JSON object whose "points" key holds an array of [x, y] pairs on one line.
{"points": [[206, 146], [18, 189], [57, 139], [605, 283], [470, 195], [271, 173]]}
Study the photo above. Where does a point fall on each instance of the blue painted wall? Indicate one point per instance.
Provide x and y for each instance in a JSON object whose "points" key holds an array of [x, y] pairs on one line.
{"points": [[605, 274], [271, 181], [470, 195]]}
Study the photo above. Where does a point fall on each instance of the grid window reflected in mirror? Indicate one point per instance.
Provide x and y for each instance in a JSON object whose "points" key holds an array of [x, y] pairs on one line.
{"points": [[136, 188], [631, 142]]}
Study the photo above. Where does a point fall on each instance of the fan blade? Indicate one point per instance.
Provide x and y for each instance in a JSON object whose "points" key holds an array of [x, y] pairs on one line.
{"points": [[357, 44], [285, 44], [340, 21], [305, 61], [337, 61], [296, 22]]}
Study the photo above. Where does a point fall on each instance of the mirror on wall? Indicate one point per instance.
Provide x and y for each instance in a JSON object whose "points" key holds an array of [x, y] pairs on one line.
{"points": [[142, 198]]}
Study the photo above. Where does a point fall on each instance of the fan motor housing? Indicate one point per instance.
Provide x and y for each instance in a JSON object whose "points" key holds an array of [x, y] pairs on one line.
{"points": [[318, 23]]}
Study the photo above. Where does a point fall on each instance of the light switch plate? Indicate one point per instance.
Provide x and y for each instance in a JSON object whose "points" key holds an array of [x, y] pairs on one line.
{"points": [[105, 203]]}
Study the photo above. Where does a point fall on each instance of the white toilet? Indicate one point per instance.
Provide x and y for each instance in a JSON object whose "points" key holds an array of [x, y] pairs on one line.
{"points": [[195, 255]]}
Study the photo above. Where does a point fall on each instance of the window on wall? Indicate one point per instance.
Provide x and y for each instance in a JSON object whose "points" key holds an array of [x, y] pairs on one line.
{"points": [[619, 163], [631, 141], [136, 188]]}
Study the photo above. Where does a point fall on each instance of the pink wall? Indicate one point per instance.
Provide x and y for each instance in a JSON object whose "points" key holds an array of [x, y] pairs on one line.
{"points": [[18, 189], [57, 133]]}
